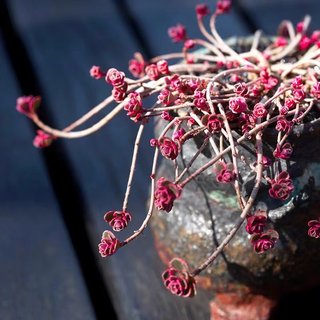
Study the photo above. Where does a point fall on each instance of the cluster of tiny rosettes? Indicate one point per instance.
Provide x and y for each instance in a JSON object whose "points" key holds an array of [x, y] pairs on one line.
{"points": [[226, 97]]}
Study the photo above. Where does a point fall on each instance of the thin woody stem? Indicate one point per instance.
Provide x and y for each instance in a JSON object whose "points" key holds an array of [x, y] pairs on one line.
{"points": [[132, 167], [227, 149], [244, 213], [234, 156], [151, 205]]}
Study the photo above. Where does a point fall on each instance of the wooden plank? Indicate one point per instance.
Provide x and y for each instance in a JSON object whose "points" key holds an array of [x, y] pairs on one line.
{"points": [[275, 11], [39, 274], [154, 20], [64, 41]]}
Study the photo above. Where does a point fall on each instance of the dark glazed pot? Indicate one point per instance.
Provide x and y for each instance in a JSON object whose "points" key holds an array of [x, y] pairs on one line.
{"points": [[246, 285]]}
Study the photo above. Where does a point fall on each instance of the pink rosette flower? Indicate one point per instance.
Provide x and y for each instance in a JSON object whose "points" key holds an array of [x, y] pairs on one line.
{"points": [[165, 195], [259, 110], [42, 139], [166, 97], [152, 71], [315, 90], [133, 106], [118, 220], [314, 228], [283, 152], [178, 280], [115, 77], [202, 10], [257, 222], [241, 89], [263, 242], [299, 95], [200, 100], [223, 6], [177, 33], [238, 105], [119, 93], [136, 67], [28, 105], [283, 124], [96, 72], [297, 83], [213, 122], [168, 148], [109, 244], [163, 67], [178, 134], [224, 172], [281, 186], [280, 42]]}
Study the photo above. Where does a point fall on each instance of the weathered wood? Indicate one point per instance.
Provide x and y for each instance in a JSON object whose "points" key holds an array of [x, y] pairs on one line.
{"points": [[64, 41], [268, 14], [39, 274]]}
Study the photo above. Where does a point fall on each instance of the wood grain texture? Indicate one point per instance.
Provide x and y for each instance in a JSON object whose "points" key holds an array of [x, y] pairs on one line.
{"points": [[39, 274], [268, 14], [63, 50]]}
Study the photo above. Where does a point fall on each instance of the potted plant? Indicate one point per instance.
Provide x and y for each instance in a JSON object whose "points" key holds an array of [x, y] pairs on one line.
{"points": [[235, 197]]}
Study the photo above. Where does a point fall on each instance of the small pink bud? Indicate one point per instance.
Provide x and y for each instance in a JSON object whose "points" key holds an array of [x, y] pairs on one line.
{"points": [[136, 68], [238, 105], [152, 71], [202, 10], [314, 228], [163, 67], [165, 195], [281, 186], [257, 222], [96, 73], [42, 139], [178, 280], [168, 148], [263, 242], [189, 44], [177, 33], [109, 244], [259, 110], [118, 220], [28, 105], [223, 6], [115, 78]]}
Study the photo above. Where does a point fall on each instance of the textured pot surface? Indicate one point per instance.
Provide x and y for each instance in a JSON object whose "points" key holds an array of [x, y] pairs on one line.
{"points": [[207, 210]]}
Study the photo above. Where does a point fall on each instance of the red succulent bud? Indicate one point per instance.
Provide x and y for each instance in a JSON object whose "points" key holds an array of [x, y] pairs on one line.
{"points": [[166, 193], [224, 172], [152, 71], [223, 6], [42, 139], [213, 122], [283, 152], [136, 67], [28, 105], [168, 148], [281, 186], [96, 72], [315, 90], [202, 10], [178, 280], [264, 241], [118, 220], [314, 228], [133, 106], [115, 78], [109, 244], [177, 33], [119, 93], [259, 110], [257, 222], [238, 105], [163, 67]]}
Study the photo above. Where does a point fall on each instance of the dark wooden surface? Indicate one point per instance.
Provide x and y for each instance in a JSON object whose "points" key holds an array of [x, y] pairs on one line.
{"points": [[40, 269]]}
